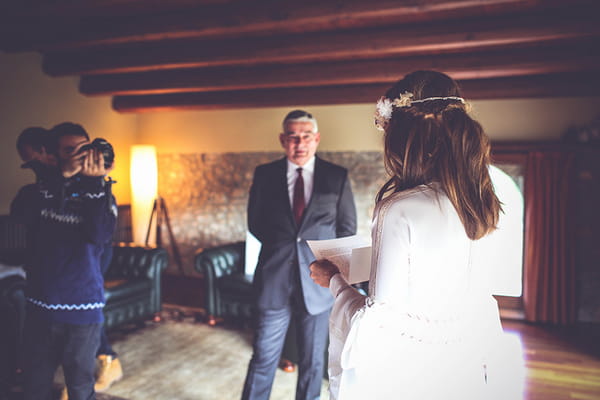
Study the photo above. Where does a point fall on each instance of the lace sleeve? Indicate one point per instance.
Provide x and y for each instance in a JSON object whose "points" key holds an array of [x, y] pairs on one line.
{"points": [[390, 269]]}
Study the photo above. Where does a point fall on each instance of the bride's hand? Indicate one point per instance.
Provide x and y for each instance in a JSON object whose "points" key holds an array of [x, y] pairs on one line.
{"points": [[321, 271]]}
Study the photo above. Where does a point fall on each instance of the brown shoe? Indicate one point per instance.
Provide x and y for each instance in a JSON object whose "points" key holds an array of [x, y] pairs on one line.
{"points": [[287, 365], [64, 395], [110, 371]]}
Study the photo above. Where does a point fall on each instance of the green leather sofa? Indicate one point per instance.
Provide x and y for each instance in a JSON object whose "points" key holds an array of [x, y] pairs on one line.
{"points": [[133, 284]]}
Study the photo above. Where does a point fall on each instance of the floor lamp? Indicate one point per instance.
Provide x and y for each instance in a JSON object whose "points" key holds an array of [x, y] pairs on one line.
{"points": [[145, 202]]}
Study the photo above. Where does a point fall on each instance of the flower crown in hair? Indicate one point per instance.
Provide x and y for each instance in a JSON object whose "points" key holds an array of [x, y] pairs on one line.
{"points": [[385, 106]]}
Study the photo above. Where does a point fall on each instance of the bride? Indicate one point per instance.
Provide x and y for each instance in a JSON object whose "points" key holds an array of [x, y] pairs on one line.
{"points": [[429, 328]]}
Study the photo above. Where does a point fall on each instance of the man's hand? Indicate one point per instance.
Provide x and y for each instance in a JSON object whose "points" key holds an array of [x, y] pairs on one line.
{"points": [[88, 163], [93, 164], [321, 271], [74, 164]]}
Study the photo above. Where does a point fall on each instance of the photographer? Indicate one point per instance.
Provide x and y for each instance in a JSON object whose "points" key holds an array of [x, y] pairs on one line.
{"points": [[71, 218]]}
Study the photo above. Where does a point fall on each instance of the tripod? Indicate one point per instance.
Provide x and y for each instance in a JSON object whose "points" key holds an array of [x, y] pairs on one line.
{"points": [[162, 214]]}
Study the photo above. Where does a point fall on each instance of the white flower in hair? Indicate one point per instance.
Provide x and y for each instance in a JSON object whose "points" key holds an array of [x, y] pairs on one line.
{"points": [[383, 112], [385, 107]]}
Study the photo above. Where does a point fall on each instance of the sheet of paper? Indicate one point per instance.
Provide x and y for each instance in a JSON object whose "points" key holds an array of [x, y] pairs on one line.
{"points": [[352, 255], [253, 246], [360, 265]]}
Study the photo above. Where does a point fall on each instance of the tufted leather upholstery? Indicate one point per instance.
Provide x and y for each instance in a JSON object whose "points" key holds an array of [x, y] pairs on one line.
{"points": [[132, 284], [227, 290], [12, 315]]}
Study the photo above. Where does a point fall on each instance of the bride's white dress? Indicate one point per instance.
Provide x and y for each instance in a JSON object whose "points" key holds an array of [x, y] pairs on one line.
{"points": [[430, 328]]}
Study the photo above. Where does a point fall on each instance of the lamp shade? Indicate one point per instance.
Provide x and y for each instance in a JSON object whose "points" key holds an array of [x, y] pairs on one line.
{"points": [[144, 190]]}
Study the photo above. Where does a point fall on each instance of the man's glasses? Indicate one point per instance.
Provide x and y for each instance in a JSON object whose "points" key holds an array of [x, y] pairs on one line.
{"points": [[297, 139]]}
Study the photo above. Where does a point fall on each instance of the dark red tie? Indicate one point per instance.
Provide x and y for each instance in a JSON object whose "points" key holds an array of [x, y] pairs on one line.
{"points": [[298, 204]]}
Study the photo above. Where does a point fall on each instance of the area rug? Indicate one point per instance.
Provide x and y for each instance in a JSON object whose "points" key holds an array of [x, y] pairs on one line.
{"points": [[180, 358]]}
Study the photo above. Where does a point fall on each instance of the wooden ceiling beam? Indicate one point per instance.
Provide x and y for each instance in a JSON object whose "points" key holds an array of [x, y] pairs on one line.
{"points": [[580, 84], [103, 8], [249, 98], [480, 35], [553, 85], [64, 25], [461, 67]]}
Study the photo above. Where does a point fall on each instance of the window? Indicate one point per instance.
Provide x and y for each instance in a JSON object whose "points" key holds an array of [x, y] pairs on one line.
{"points": [[500, 254]]}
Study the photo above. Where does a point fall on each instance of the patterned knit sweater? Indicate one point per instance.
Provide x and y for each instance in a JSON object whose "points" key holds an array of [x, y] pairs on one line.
{"points": [[70, 221]]}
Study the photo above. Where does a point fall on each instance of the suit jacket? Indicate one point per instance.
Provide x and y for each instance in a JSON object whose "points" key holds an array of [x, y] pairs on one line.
{"points": [[285, 257]]}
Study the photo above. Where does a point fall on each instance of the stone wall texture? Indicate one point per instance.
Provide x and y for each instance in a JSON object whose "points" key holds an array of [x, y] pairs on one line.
{"points": [[206, 194]]}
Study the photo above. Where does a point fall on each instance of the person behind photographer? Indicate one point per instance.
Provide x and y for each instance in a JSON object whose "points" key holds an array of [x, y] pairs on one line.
{"points": [[30, 147], [71, 217], [33, 146]]}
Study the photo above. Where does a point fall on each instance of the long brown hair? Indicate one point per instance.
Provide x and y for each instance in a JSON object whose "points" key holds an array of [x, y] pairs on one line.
{"points": [[437, 141]]}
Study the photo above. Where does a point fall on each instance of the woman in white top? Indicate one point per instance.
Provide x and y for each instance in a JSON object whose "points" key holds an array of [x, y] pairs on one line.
{"points": [[429, 327]]}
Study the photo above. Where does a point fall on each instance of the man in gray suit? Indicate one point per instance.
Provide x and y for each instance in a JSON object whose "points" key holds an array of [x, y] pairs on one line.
{"points": [[294, 199]]}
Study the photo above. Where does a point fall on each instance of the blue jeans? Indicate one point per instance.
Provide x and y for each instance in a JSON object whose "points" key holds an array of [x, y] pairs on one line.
{"points": [[105, 259], [105, 347], [49, 344]]}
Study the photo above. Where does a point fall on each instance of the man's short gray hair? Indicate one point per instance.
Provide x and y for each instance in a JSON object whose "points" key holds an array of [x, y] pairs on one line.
{"points": [[300, 116]]}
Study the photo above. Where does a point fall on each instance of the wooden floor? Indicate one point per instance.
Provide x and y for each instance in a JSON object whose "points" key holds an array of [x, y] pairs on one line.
{"points": [[561, 363]]}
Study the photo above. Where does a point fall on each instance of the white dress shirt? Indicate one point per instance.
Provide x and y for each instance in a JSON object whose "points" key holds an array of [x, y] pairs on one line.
{"points": [[308, 175]]}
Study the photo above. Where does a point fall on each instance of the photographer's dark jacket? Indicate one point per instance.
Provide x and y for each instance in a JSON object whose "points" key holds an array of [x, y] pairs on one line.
{"points": [[69, 222]]}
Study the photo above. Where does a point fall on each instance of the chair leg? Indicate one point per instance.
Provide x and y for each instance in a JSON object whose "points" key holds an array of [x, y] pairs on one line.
{"points": [[212, 320]]}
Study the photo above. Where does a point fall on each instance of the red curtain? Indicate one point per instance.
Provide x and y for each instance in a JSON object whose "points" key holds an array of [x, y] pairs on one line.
{"points": [[549, 265]]}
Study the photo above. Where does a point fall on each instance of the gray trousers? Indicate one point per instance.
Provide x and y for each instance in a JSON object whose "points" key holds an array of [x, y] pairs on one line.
{"points": [[270, 332]]}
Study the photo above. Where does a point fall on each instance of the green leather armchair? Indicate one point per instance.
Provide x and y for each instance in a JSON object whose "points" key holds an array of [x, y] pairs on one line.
{"points": [[227, 289]]}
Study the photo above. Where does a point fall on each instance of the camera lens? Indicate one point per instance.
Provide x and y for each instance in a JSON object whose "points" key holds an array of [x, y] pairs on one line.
{"points": [[106, 149]]}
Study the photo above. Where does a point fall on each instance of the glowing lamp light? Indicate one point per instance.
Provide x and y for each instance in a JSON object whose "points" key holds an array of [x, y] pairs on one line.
{"points": [[144, 190]]}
